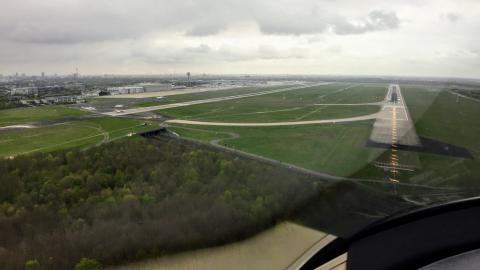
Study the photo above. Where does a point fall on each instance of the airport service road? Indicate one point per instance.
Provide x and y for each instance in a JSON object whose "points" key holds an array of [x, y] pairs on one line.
{"points": [[394, 124], [195, 102]]}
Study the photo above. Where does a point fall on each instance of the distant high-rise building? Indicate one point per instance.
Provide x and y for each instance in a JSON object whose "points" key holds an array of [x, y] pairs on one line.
{"points": [[75, 75], [16, 74], [43, 74]]}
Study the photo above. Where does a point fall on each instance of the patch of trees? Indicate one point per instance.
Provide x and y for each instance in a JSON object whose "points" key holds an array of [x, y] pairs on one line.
{"points": [[6, 102], [104, 93], [52, 91], [137, 198]]}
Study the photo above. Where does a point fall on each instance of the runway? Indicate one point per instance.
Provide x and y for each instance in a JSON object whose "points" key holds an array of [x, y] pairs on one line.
{"points": [[394, 124]]}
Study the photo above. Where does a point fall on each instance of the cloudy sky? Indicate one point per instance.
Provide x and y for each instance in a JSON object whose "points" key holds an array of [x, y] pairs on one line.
{"points": [[351, 37]]}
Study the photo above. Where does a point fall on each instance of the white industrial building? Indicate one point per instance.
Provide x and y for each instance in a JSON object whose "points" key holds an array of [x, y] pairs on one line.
{"points": [[125, 90], [23, 91], [94, 93], [64, 99]]}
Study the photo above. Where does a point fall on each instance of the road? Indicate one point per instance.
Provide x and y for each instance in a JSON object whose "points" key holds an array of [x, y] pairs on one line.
{"points": [[202, 101]]}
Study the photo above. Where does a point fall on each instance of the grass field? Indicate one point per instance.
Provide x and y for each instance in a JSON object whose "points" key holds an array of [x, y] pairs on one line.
{"points": [[295, 105], [337, 149], [221, 113], [36, 114], [71, 133], [74, 134], [441, 116]]}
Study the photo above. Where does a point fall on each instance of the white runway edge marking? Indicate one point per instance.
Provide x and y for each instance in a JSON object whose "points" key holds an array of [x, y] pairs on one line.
{"points": [[400, 98], [195, 102]]}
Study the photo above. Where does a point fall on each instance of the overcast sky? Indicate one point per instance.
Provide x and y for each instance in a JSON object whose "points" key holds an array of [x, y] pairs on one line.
{"points": [[351, 37]]}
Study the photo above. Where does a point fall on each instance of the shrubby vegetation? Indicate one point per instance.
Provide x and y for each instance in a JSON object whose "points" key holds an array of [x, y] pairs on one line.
{"points": [[88, 264], [32, 265], [136, 198], [5, 102]]}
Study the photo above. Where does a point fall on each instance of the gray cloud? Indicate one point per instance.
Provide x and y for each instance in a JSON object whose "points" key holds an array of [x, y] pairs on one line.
{"points": [[206, 54], [80, 21], [56, 22], [320, 21], [376, 20], [207, 29], [276, 19], [75, 21]]}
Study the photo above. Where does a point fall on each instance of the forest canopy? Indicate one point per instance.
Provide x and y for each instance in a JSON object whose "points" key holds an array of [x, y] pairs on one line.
{"points": [[136, 198]]}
